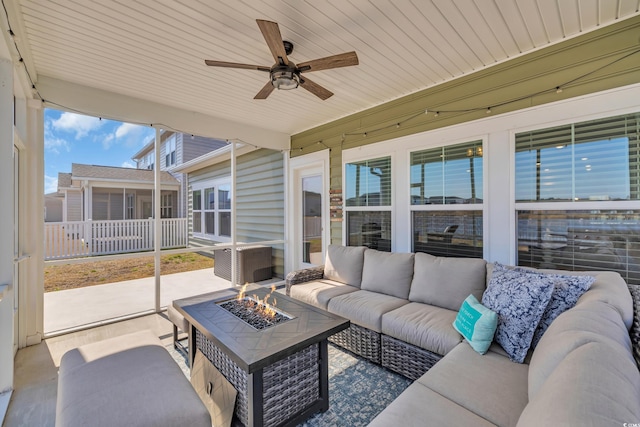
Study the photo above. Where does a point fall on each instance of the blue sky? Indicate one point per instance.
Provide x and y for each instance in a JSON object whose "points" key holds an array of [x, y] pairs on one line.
{"points": [[75, 138]]}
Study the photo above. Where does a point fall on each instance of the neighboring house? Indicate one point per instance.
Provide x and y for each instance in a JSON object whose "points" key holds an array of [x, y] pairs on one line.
{"points": [[53, 207], [259, 198], [175, 149], [113, 193]]}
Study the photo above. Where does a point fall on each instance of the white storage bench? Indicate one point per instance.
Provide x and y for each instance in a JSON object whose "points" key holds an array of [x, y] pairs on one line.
{"points": [[130, 380]]}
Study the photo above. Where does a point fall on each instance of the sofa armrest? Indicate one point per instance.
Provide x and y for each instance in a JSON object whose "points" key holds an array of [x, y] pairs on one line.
{"points": [[634, 333], [304, 275]]}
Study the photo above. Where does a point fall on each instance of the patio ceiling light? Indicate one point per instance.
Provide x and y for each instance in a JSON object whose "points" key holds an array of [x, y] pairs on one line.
{"points": [[284, 77]]}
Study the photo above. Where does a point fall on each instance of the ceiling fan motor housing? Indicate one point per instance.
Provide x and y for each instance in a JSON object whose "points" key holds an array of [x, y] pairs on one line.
{"points": [[288, 47]]}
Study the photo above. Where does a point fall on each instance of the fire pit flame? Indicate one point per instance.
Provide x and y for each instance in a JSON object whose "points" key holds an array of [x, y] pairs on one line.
{"points": [[259, 313]]}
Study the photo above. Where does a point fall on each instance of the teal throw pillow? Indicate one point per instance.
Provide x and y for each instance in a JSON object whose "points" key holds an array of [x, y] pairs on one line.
{"points": [[477, 324]]}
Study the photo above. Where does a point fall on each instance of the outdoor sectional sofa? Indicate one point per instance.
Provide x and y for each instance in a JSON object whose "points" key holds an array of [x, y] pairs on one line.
{"points": [[402, 308]]}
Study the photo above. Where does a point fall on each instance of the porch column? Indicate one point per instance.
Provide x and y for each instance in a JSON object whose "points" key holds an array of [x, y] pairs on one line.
{"points": [[6, 230], [31, 273], [234, 253], [157, 230]]}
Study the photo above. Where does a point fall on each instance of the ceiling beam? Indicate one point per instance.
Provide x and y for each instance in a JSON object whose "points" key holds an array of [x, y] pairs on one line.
{"points": [[66, 96]]}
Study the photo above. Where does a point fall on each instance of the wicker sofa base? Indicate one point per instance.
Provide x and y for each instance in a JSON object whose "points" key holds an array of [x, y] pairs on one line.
{"points": [[359, 340], [406, 359], [288, 387]]}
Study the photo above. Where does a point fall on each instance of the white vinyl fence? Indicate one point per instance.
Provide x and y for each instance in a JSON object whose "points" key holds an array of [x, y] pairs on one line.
{"points": [[90, 238]]}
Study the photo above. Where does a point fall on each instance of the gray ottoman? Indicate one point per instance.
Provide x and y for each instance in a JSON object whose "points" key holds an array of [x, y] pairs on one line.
{"points": [[129, 380]]}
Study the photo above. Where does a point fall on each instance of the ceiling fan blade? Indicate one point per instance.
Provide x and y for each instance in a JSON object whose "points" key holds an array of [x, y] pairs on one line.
{"points": [[235, 65], [265, 91], [271, 33], [336, 61], [315, 88]]}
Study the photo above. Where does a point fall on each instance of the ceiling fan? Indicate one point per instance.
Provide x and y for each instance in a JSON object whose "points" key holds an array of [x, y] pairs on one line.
{"points": [[284, 74]]}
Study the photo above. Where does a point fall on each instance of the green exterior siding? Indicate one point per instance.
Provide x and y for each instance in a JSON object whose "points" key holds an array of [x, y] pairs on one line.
{"points": [[259, 198], [594, 62]]}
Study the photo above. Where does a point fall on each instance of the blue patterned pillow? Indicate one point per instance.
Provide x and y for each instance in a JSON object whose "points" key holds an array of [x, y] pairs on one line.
{"points": [[565, 295], [520, 298], [476, 323]]}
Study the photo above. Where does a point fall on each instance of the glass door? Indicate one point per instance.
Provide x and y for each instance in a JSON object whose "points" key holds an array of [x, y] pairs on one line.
{"points": [[308, 217], [311, 219]]}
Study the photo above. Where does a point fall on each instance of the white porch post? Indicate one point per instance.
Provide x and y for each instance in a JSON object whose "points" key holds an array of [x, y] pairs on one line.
{"points": [[234, 254], [31, 276], [157, 230], [6, 232]]}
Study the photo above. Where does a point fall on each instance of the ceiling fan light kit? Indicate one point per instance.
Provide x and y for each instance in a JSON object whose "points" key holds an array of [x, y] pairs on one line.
{"points": [[285, 78], [284, 74]]}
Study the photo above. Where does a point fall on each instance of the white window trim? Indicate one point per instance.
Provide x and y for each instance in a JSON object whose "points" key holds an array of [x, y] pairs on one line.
{"points": [[201, 186], [355, 156], [401, 207]]}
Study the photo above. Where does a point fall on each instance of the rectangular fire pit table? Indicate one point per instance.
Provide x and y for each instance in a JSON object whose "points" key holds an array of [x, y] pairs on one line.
{"points": [[281, 372]]}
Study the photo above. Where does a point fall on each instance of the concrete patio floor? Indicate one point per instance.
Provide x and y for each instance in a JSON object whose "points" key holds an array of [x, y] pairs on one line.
{"points": [[93, 305]]}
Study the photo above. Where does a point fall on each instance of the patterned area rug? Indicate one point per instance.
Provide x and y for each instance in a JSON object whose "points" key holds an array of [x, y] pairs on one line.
{"points": [[358, 390]]}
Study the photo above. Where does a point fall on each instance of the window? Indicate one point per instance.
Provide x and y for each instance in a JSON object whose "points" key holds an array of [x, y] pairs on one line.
{"points": [[212, 210], [446, 200], [224, 209], [577, 188], [197, 211], [149, 160], [368, 203], [131, 206], [170, 151], [166, 205]]}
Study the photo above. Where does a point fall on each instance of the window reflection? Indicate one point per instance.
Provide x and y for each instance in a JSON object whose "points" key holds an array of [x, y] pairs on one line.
{"points": [[581, 240], [448, 233], [368, 183]]}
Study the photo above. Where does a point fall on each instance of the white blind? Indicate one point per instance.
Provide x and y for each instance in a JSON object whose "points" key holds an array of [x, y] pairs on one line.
{"points": [[593, 160], [447, 175], [368, 183]]}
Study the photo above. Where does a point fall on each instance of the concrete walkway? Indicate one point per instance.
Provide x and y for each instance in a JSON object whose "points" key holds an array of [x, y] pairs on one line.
{"points": [[68, 309]]}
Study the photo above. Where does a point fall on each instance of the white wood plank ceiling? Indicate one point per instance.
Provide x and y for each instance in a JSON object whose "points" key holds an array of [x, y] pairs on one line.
{"points": [[154, 50]]}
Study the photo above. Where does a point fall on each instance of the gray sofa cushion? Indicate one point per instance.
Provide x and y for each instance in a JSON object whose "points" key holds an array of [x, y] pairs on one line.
{"points": [[586, 323], [364, 308], [344, 264], [593, 385], [387, 273], [419, 406], [319, 292], [422, 325], [490, 385], [446, 282]]}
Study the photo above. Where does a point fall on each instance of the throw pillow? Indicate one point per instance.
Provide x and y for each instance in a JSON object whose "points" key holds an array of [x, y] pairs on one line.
{"points": [[476, 323], [519, 298], [566, 291]]}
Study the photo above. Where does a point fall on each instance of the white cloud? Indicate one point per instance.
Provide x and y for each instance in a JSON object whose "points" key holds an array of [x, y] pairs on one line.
{"points": [[128, 164], [55, 144], [107, 141], [124, 129], [50, 184], [132, 136], [77, 123]]}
